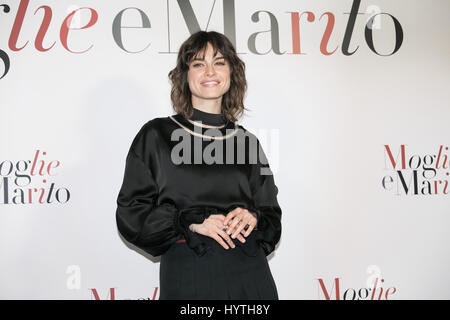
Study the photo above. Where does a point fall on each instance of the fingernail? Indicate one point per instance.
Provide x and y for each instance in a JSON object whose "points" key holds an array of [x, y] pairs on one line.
{"points": [[229, 231], [233, 236]]}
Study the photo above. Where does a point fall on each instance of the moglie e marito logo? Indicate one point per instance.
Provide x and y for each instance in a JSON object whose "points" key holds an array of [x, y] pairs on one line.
{"points": [[28, 181], [416, 174]]}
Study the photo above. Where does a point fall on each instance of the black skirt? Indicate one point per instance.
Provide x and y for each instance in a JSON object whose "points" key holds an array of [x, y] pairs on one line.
{"points": [[240, 273]]}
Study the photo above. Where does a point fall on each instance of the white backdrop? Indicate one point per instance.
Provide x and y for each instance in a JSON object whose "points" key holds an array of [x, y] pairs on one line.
{"points": [[331, 122]]}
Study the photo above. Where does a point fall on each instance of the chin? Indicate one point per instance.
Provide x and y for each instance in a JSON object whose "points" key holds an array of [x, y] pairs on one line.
{"points": [[213, 95]]}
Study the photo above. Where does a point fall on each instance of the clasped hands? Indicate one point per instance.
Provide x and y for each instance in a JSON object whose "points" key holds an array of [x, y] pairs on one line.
{"points": [[238, 223]]}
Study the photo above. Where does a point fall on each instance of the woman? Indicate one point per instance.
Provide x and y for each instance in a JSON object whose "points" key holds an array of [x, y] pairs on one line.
{"points": [[196, 190]]}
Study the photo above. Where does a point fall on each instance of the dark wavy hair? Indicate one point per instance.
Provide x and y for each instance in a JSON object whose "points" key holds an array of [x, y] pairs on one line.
{"points": [[233, 99]]}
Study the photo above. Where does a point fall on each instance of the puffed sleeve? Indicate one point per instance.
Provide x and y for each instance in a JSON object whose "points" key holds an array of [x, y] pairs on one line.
{"points": [[151, 227], [265, 204]]}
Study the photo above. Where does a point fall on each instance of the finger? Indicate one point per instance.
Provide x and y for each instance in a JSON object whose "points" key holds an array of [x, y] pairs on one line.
{"points": [[240, 213], [228, 218], [249, 230], [233, 224], [216, 237], [220, 226], [238, 229], [221, 231], [233, 228], [226, 237], [231, 215], [241, 238]]}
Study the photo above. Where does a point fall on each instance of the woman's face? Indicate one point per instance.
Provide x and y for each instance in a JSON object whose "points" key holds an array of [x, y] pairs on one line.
{"points": [[214, 70]]}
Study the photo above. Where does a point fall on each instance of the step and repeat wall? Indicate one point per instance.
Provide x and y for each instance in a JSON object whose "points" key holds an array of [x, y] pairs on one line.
{"points": [[349, 98]]}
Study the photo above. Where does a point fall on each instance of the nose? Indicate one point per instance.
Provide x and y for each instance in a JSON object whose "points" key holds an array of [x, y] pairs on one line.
{"points": [[210, 70]]}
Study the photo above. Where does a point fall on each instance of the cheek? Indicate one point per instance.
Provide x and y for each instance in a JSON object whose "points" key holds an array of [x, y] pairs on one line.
{"points": [[190, 76], [191, 79], [227, 85], [226, 75]]}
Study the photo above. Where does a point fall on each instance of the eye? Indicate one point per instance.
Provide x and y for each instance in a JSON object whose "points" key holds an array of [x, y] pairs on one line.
{"points": [[196, 64], [221, 63]]}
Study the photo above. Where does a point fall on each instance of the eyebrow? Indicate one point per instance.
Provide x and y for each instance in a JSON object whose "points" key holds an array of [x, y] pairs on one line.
{"points": [[198, 59]]}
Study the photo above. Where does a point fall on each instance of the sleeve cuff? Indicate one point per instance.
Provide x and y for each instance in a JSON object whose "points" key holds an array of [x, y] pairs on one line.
{"points": [[259, 234], [255, 212], [184, 218]]}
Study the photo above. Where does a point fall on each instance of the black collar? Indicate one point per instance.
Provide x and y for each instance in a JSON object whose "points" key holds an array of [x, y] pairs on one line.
{"points": [[212, 119], [224, 130]]}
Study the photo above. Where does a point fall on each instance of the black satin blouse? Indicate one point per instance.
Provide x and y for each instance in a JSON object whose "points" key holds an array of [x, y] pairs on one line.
{"points": [[178, 173]]}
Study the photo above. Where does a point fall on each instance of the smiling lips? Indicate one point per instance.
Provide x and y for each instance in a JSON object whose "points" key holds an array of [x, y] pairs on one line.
{"points": [[210, 83]]}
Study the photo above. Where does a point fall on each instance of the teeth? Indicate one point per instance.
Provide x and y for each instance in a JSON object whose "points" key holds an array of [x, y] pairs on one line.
{"points": [[211, 82]]}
